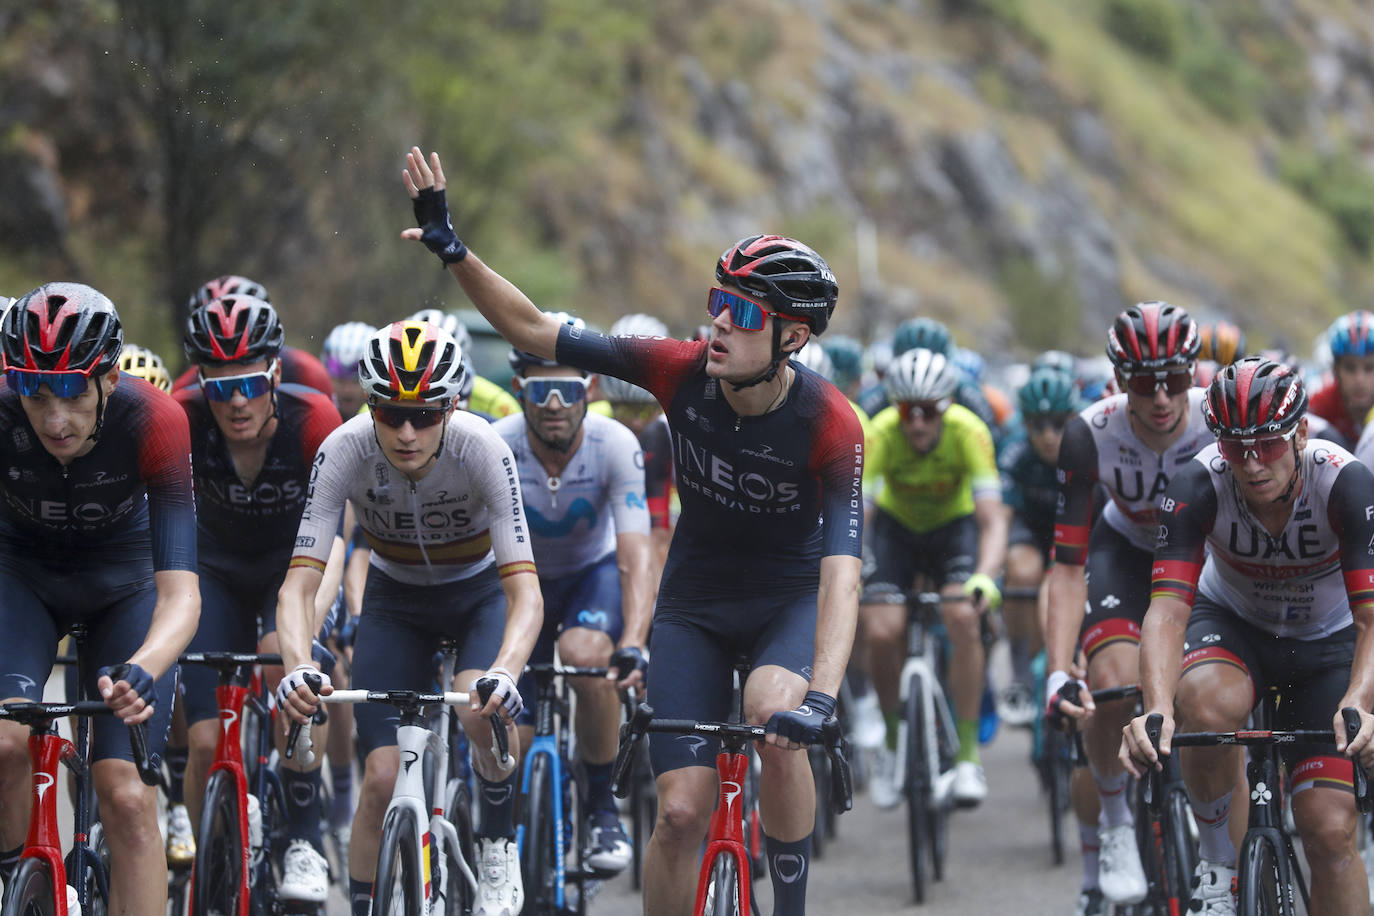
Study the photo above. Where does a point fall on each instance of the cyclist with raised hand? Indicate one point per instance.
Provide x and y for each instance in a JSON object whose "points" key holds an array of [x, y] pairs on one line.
{"points": [[253, 442], [438, 497], [765, 559], [1262, 578], [636, 408], [342, 349], [1348, 397], [97, 526], [1131, 444], [582, 476], [1030, 490], [938, 513], [297, 366]]}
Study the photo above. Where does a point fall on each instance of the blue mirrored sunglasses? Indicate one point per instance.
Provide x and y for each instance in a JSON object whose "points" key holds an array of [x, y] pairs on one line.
{"points": [[540, 392], [745, 314], [61, 384], [252, 385]]}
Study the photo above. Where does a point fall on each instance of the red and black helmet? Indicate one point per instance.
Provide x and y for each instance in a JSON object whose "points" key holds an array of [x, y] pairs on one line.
{"points": [[1254, 397], [235, 329], [62, 327], [789, 276], [227, 285], [1152, 337]]}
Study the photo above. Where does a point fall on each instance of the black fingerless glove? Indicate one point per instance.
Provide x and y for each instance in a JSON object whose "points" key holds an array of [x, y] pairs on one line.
{"points": [[431, 212]]}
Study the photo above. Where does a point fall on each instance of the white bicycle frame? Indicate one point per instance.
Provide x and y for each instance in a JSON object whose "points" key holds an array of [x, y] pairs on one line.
{"points": [[920, 664], [431, 828]]}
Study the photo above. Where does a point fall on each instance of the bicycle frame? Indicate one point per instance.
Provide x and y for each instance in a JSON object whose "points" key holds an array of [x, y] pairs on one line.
{"points": [[238, 688], [726, 832], [938, 722]]}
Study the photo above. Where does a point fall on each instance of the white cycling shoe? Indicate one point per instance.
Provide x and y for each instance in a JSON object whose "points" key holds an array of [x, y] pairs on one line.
{"points": [[1119, 874], [884, 782], [1214, 890], [500, 891], [305, 874], [970, 784]]}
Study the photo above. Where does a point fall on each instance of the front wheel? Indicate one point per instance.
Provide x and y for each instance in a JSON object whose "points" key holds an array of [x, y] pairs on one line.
{"points": [[218, 877], [919, 785], [399, 889], [722, 894], [538, 857], [459, 812], [1262, 887], [30, 891]]}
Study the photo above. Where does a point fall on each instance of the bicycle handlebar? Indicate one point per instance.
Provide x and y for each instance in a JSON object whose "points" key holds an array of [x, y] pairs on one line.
{"points": [[643, 722], [1154, 724], [37, 716], [500, 747]]}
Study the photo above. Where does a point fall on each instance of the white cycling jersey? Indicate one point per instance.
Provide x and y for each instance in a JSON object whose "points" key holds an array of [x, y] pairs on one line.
{"points": [[465, 514], [574, 517]]}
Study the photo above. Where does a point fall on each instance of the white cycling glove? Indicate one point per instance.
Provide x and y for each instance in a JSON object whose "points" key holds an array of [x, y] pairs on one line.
{"points": [[505, 690], [296, 679]]}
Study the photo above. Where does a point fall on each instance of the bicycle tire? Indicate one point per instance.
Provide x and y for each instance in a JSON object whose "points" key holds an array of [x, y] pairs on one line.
{"points": [[459, 813], [1055, 776], [820, 777], [399, 887], [30, 891], [937, 821], [722, 894], [643, 812], [917, 785], [97, 905], [1180, 853], [1261, 880], [537, 856], [217, 876]]}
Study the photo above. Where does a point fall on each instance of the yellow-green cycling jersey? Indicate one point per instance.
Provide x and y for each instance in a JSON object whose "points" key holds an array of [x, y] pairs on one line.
{"points": [[491, 399], [924, 492]]}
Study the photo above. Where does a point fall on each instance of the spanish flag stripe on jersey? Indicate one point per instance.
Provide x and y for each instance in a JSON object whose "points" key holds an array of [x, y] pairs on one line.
{"points": [[466, 550]]}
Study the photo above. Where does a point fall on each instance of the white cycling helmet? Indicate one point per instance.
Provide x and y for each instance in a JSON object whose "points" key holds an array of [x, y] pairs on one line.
{"points": [[639, 325], [439, 318], [920, 375], [619, 391], [814, 357], [413, 361], [344, 346]]}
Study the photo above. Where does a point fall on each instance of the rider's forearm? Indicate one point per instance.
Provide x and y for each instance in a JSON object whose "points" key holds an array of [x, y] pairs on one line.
{"points": [[993, 527], [524, 618], [176, 614], [836, 614], [634, 558], [1068, 591], [295, 614], [1361, 690], [510, 311], [1161, 653]]}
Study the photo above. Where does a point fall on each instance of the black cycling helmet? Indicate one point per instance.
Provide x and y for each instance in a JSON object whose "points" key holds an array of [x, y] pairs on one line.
{"points": [[1254, 397], [1152, 337], [234, 329], [227, 285], [62, 327], [789, 276]]}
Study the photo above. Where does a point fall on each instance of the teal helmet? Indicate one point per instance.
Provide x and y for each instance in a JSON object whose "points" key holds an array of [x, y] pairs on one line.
{"points": [[926, 333], [847, 356], [1048, 391]]}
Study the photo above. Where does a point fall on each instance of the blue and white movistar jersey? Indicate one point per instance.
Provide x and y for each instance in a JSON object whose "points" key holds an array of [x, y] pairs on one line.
{"points": [[574, 516]]}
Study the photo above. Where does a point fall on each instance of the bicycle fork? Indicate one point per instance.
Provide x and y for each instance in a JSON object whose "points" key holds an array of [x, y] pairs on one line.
{"points": [[727, 832], [935, 727]]}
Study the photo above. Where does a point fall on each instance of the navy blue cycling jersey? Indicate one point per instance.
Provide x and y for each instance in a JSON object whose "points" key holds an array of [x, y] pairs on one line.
{"points": [[255, 522], [763, 497], [134, 483], [1029, 486]]}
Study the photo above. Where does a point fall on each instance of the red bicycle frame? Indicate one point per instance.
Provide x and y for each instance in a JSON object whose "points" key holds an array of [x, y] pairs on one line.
{"points": [[47, 751], [726, 833]]}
